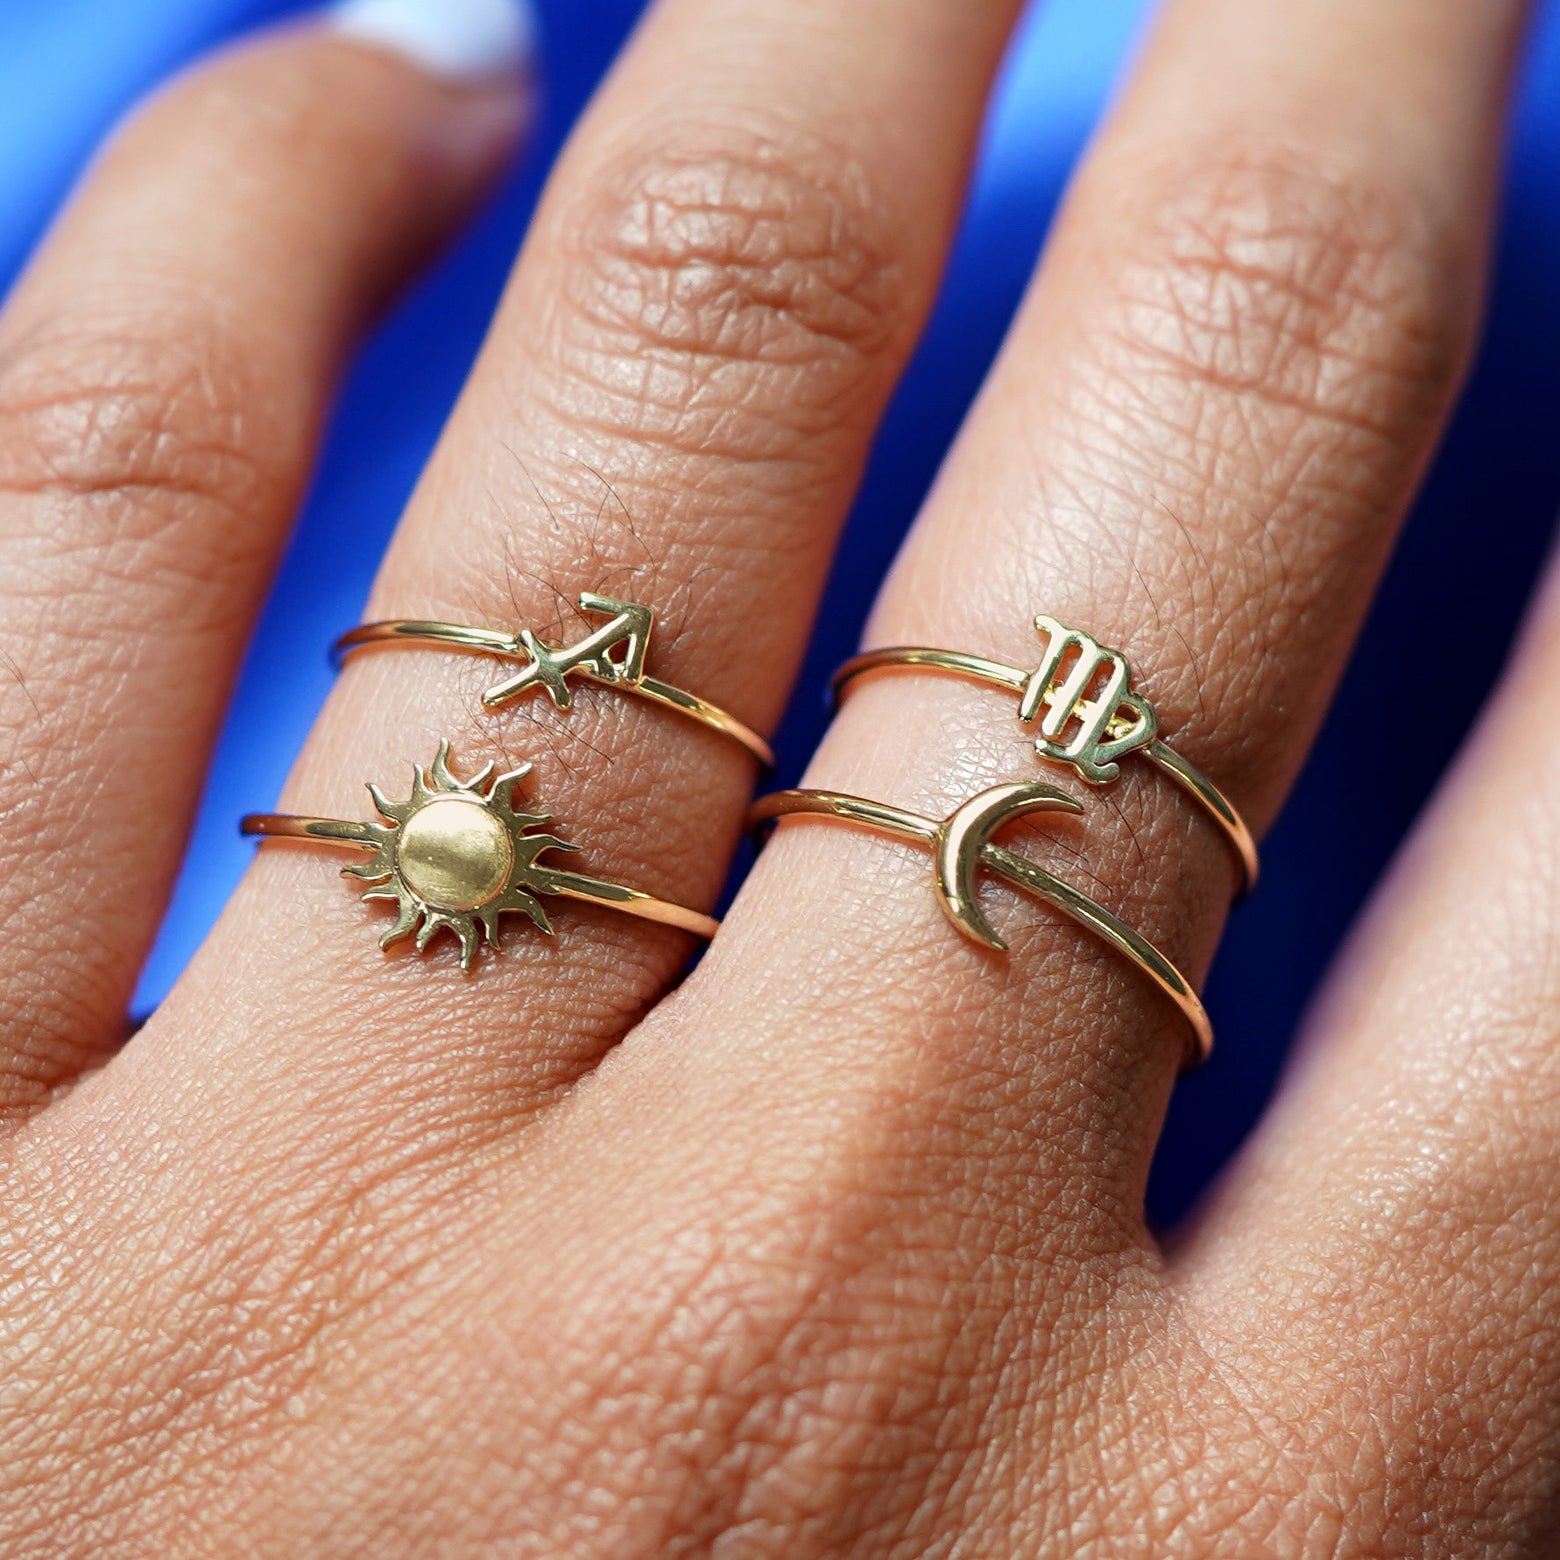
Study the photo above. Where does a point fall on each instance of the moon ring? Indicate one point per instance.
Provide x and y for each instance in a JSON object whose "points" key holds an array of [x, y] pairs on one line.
{"points": [[961, 843]]}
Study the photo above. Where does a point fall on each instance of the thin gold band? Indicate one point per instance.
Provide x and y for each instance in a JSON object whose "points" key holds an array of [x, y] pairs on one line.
{"points": [[1016, 679], [961, 843], [458, 855], [549, 667], [565, 885]]}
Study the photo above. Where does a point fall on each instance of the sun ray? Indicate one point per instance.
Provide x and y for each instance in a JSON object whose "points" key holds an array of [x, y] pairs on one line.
{"points": [[443, 780], [442, 777], [501, 792], [523, 902], [388, 809], [405, 922], [547, 842]]}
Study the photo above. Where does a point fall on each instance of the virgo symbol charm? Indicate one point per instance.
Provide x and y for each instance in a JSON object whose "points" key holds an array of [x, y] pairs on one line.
{"points": [[1090, 716]]}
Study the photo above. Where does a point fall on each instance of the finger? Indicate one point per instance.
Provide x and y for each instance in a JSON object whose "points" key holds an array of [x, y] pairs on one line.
{"points": [[164, 368], [716, 298], [1196, 446], [1404, 1181]]}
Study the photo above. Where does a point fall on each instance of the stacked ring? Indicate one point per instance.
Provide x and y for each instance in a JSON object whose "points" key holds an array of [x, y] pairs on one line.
{"points": [[961, 845], [613, 655], [456, 855], [1089, 715]]}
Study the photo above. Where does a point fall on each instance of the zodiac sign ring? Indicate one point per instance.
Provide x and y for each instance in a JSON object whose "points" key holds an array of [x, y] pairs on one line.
{"points": [[456, 856], [613, 655], [961, 845], [1089, 716]]}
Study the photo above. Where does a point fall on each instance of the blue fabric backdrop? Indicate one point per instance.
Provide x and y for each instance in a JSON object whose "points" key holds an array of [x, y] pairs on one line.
{"points": [[68, 68]]}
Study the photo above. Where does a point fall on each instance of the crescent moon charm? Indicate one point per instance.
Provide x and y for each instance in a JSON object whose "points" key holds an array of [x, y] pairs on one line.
{"points": [[961, 847], [964, 835]]}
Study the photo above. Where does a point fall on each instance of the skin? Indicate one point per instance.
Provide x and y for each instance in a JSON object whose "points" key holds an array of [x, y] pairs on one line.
{"points": [[838, 1249]]}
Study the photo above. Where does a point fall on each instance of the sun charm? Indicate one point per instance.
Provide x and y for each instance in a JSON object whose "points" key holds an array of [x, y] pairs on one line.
{"points": [[455, 855]]}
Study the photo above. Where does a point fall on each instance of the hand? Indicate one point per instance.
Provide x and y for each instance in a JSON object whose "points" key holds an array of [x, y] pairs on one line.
{"points": [[838, 1249]]}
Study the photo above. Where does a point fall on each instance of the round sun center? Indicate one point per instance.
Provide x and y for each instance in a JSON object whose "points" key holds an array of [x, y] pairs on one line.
{"points": [[454, 854]]}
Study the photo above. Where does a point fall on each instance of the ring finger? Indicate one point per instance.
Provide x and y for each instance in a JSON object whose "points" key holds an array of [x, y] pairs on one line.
{"points": [[1205, 427]]}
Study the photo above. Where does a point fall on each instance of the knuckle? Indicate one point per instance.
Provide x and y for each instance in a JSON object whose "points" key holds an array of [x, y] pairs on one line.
{"points": [[712, 280], [131, 444], [1318, 291], [1278, 337]]}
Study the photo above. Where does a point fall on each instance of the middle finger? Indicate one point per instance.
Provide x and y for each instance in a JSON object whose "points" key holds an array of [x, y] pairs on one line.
{"points": [[717, 295]]}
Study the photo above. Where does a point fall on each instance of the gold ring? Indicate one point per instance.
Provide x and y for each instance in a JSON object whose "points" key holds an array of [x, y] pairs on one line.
{"points": [[456, 855], [1089, 715], [961, 844], [550, 667]]}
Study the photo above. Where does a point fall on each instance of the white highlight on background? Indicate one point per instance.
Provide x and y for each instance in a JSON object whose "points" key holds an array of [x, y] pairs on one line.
{"points": [[463, 39]]}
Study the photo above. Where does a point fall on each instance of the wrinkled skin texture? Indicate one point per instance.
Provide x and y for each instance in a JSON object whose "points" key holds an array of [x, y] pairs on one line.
{"points": [[837, 1247]]}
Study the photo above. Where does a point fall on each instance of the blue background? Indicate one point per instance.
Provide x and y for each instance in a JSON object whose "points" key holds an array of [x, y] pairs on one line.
{"points": [[69, 67]]}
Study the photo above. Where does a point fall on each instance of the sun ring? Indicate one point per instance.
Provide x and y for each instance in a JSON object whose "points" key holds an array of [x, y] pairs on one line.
{"points": [[456, 855], [613, 655], [961, 845], [1089, 716]]}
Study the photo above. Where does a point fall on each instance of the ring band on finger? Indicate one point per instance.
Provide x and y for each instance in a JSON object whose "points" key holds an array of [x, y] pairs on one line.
{"points": [[962, 846], [1089, 715], [613, 655], [456, 855]]}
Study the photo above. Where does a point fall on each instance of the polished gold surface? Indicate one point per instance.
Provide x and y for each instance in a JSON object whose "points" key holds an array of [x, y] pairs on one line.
{"points": [[1088, 715], [961, 846], [456, 856], [613, 655], [455, 853]]}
